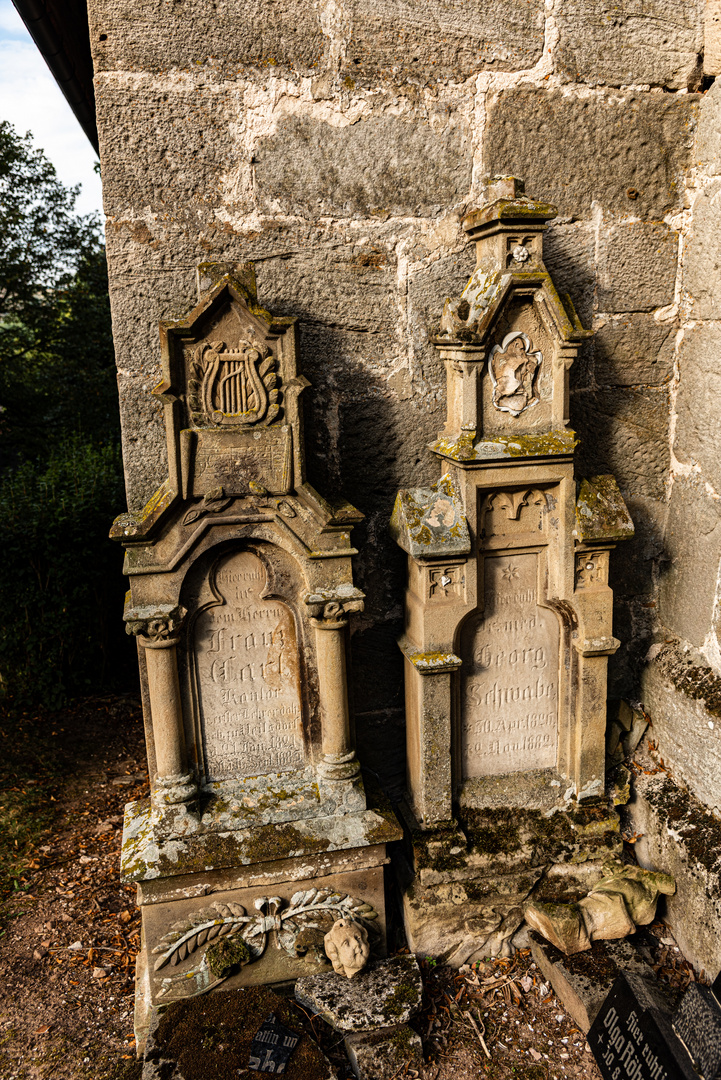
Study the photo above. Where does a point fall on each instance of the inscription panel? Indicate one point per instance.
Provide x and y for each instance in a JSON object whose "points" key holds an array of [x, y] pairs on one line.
{"points": [[233, 460], [509, 694], [248, 677]]}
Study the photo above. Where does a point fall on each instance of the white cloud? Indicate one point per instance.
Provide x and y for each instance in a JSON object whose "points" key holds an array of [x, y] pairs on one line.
{"points": [[32, 101]]}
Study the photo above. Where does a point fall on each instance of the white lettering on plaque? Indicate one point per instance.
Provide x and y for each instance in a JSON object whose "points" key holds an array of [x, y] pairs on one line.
{"points": [[509, 696], [248, 677]]}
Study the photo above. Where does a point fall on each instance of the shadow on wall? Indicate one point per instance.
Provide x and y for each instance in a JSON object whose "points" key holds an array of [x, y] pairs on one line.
{"points": [[377, 398]]}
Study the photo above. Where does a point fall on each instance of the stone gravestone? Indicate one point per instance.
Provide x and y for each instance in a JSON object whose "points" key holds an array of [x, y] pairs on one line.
{"points": [[632, 1038], [257, 835], [697, 1023], [508, 609]]}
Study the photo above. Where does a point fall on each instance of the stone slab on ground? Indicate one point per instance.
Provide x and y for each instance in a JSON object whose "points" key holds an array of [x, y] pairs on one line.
{"points": [[383, 1054], [583, 981], [386, 993], [211, 1036]]}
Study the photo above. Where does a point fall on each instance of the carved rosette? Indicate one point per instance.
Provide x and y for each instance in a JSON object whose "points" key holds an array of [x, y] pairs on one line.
{"points": [[233, 386], [230, 937]]}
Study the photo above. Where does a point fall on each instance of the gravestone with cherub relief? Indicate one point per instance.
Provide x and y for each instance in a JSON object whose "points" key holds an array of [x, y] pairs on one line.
{"points": [[257, 836], [508, 608]]}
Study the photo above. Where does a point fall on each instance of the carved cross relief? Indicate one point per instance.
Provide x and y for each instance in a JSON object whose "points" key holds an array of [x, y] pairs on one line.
{"points": [[444, 583]]}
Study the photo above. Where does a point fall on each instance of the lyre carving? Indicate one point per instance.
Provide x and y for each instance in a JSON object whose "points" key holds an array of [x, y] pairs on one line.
{"points": [[233, 386]]}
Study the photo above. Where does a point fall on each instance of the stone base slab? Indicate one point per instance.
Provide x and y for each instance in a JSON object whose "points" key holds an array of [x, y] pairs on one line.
{"points": [[464, 883], [145, 855], [269, 935], [581, 994], [384, 994]]}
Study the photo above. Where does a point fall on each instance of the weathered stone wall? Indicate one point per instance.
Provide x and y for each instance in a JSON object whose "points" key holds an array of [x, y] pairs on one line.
{"points": [[338, 145]]}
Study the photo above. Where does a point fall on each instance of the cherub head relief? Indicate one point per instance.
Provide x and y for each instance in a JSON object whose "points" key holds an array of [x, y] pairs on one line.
{"points": [[346, 946], [513, 369]]}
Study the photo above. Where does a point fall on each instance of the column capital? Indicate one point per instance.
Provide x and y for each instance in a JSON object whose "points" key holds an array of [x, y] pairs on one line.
{"points": [[156, 626], [329, 608]]}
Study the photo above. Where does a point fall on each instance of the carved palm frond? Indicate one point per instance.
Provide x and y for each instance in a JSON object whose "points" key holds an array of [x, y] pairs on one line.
{"points": [[199, 927]]}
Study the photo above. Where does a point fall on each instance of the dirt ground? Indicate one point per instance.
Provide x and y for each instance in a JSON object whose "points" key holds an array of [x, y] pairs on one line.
{"points": [[69, 931]]}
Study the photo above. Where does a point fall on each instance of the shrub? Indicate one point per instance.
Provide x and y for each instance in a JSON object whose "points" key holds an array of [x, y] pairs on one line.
{"points": [[61, 590]]}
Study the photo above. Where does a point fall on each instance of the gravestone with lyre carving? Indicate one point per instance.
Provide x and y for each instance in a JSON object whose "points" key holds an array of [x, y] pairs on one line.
{"points": [[508, 609], [257, 835]]}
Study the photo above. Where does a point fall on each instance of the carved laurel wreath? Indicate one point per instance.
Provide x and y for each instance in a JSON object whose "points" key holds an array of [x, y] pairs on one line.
{"points": [[307, 910], [205, 376]]}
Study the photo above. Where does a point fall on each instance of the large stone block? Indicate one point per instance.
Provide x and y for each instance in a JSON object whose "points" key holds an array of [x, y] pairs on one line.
{"points": [[424, 40], [145, 456], [635, 42], [697, 401], [628, 152], [153, 36], [631, 570], [712, 38], [637, 264], [378, 166], [702, 257], [625, 434], [682, 837], [635, 350], [569, 253], [692, 543], [165, 146], [708, 138]]}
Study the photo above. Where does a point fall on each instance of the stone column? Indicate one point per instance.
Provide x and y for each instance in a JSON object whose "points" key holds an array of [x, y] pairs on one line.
{"points": [[157, 633], [339, 758]]}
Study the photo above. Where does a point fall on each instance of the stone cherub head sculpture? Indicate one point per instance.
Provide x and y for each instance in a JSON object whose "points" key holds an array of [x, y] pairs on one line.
{"points": [[346, 946]]}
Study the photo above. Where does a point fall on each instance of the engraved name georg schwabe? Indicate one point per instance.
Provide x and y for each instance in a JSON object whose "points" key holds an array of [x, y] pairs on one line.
{"points": [[509, 700]]}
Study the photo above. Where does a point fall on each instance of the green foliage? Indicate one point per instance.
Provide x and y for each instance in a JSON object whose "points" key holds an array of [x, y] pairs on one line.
{"points": [[61, 589], [57, 373], [60, 469]]}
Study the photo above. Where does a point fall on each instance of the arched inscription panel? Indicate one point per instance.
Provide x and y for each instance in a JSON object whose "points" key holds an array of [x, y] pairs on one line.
{"points": [[248, 677], [509, 693]]}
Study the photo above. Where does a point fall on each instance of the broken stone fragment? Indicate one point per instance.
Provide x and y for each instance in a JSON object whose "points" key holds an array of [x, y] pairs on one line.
{"points": [[387, 993], [384, 1054], [561, 924], [639, 888], [605, 916], [625, 898]]}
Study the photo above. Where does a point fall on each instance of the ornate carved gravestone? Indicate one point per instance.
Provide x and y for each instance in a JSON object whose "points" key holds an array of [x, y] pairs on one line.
{"points": [[508, 610], [256, 837]]}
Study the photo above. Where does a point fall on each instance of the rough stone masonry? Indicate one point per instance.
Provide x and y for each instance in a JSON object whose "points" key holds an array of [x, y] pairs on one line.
{"points": [[337, 145]]}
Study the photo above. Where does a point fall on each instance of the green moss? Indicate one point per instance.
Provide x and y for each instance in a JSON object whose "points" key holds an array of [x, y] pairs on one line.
{"points": [[398, 1002], [693, 680], [601, 512], [546, 444], [226, 954]]}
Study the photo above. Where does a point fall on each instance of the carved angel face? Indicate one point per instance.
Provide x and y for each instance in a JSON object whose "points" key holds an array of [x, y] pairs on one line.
{"points": [[346, 946]]}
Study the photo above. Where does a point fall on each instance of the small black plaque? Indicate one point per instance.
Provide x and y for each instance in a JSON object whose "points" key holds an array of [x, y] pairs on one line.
{"points": [[272, 1046], [631, 1038]]}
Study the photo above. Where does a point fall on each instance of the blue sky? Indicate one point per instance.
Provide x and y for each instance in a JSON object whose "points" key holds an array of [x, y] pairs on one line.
{"points": [[30, 99]]}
